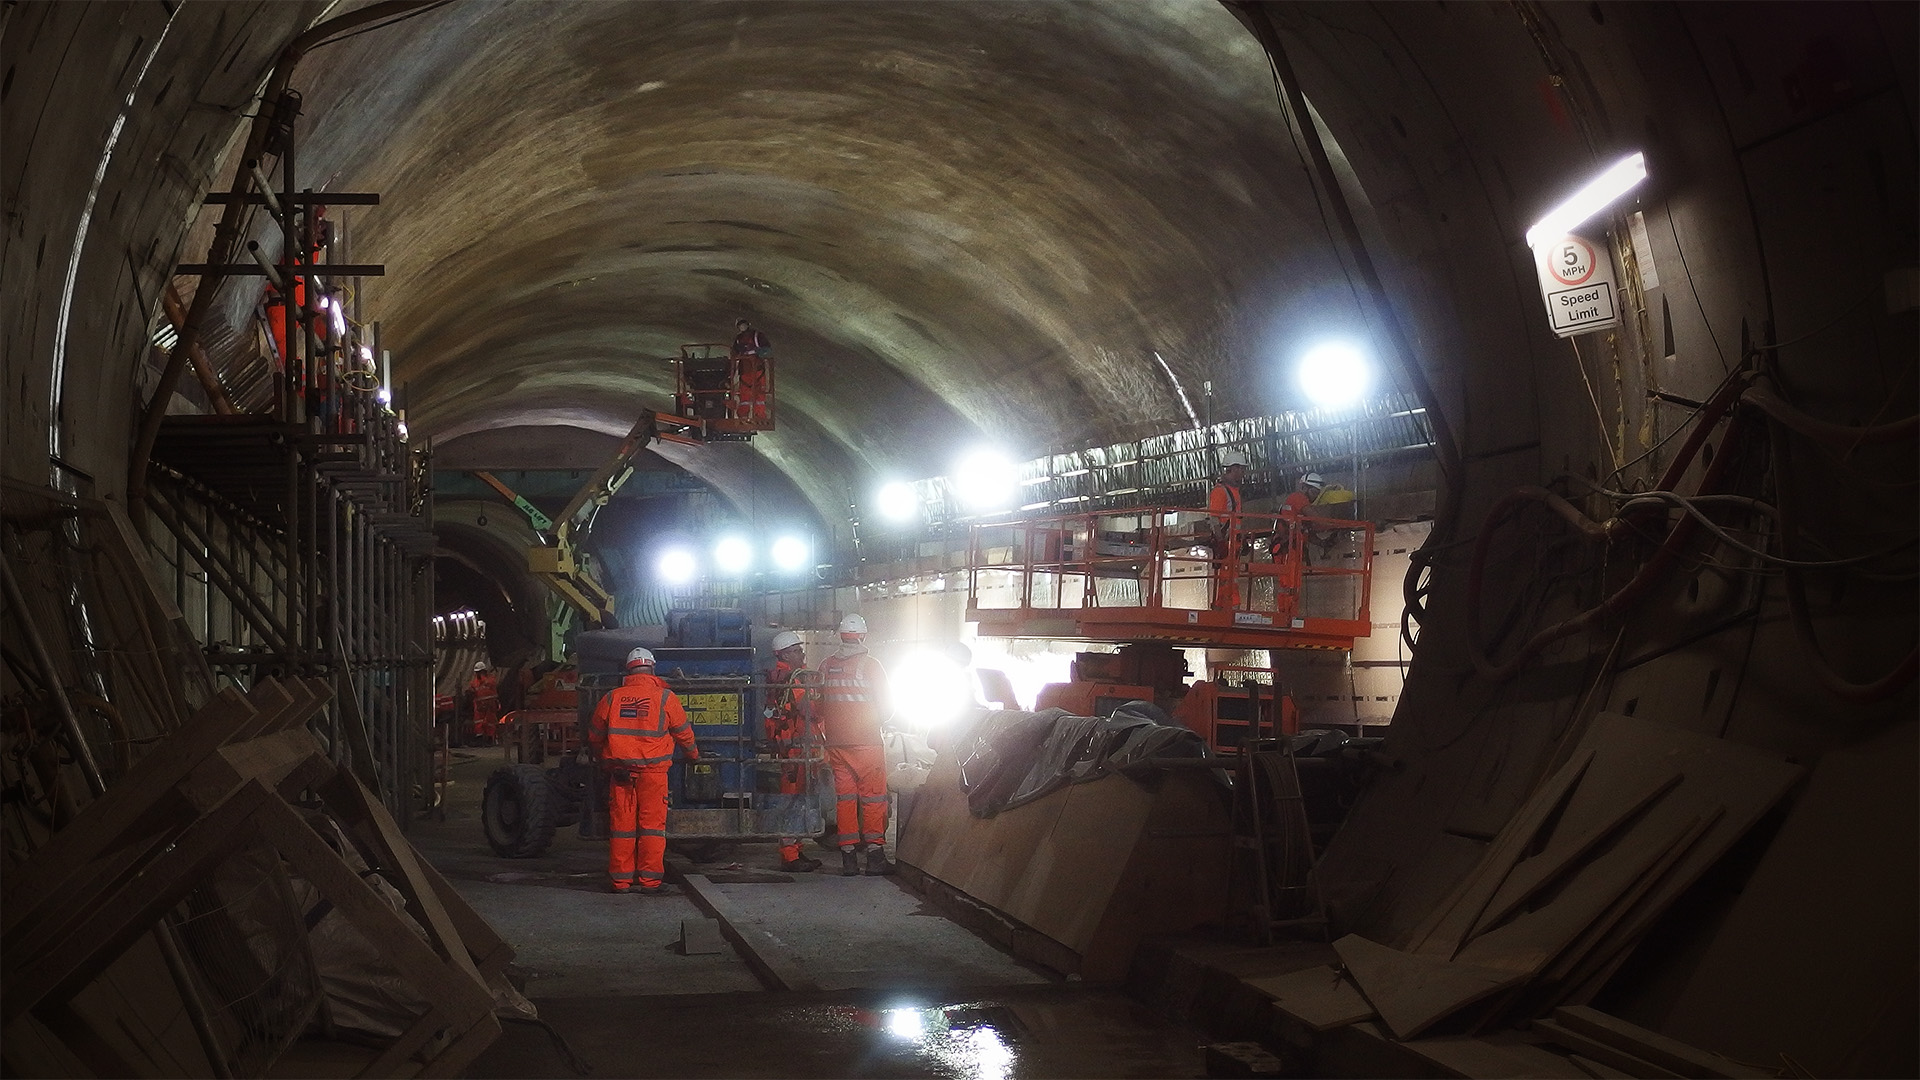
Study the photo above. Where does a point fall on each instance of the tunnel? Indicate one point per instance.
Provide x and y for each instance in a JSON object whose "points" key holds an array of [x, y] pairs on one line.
{"points": [[1621, 704]]}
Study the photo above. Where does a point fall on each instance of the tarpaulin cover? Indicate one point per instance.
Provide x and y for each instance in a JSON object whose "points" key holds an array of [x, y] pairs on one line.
{"points": [[1010, 757]]}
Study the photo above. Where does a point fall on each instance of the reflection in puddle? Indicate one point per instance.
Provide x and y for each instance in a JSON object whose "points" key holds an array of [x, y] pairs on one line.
{"points": [[958, 1040]]}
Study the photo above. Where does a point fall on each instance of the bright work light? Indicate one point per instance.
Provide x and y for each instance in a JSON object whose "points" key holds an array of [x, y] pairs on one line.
{"points": [[677, 566], [1599, 193], [790, 553], [898, 501], [1334, 374], [985, 479], [732, 555]]}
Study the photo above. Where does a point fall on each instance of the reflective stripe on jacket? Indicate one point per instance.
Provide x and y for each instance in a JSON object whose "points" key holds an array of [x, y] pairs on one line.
{"points": [[852, 702], [638, 722]]}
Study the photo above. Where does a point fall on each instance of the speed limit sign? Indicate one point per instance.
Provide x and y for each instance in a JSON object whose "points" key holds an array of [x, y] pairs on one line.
{"points": [[1576, 281]]}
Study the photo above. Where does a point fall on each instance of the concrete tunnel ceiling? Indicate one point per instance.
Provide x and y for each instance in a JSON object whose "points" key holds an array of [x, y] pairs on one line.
{"points": [[957, 222]]}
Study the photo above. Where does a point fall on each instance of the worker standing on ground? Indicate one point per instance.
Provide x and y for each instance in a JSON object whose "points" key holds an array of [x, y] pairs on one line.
{"points": [[1223, 503], [792, 732], [751, 351], [633, 734], [853, 703], [483, 696]]}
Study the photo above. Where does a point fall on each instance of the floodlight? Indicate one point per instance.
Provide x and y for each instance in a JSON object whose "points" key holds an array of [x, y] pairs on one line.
{"points": [[732, 555], [677, 566], [898, 501], [985, 479], [790, 553], [1335, 374], [1597, 195]]}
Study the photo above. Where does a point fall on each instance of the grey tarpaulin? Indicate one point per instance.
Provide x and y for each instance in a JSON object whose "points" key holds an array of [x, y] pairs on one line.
{"points": [[1010, 757]]}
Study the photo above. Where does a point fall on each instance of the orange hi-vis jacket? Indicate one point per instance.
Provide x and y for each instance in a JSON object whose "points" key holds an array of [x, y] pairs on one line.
{"points": [[1222, 501], [792, 707], [638, 722], [853, 690]]}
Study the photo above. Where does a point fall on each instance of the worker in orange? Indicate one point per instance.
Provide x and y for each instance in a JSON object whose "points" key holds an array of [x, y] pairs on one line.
{"points": [[792, 731], [483, 696], [1223, 504], [853, 703], [752, 351], [633, 733]]}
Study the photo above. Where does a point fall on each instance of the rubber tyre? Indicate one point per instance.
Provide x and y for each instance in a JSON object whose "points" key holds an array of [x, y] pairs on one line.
{"points": [[519, 811]]}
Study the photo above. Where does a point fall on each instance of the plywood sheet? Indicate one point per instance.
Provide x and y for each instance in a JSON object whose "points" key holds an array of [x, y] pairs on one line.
{"points": [[1833, 904], [1321, 998], [1412, 992]]}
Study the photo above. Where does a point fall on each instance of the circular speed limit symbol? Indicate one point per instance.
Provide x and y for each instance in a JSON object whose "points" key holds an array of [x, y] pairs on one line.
{"points": [[1571, 261]]}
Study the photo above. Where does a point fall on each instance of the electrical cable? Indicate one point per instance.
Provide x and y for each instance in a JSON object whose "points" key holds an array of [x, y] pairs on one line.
{"points": [[1823, 327], [1681, 251]]}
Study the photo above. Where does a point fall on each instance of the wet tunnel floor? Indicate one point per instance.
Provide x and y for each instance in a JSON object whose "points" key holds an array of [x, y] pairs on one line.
{"points": [[903, 991], [1024, 1031]]}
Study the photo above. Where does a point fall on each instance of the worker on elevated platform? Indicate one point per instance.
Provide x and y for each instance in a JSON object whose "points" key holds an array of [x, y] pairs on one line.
{"points": [[633, 734], [792, 731], [853, 704], [751, 352], [1223, 503]]}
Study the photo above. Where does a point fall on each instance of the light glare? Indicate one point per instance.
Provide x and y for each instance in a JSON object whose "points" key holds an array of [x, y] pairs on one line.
{"points": [[1597, 195], [1334, 375], [677, 566], [732, 555], [985, 479], [898, 501], [790, 553]]}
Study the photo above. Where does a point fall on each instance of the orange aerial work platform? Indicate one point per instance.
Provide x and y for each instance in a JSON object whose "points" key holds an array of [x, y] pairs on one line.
{"points": [[724, 395], [1257, 581]]}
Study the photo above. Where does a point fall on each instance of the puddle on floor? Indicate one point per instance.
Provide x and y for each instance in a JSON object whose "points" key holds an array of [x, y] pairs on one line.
{"points": [[1012, 1033]]}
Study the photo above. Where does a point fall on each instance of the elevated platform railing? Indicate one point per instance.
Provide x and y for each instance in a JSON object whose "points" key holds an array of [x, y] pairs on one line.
{"points": [[1271, 580]]}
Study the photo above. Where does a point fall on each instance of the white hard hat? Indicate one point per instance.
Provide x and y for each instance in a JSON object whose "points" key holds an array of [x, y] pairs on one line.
{"points": [[853, 624], [784, 640], [639, 658], [1315, 479], [1233, 460], [479, 665]]}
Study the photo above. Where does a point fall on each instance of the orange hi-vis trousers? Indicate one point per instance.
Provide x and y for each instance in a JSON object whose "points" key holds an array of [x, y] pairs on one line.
{"points": [[860, 788], [637, 824]]}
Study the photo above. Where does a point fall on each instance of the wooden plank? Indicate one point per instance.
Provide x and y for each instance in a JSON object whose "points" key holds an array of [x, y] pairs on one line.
{"points": [[1602, 1052], [127, 806], [1689, 1061], [1577, 952], [1532, 875], [459, 1053], [701, 937], [1447, 930], [390, 932], [1321, 998], [369, 817], [1531, 942], [1597, 1070], [770, 960], [269, 759], [1485, 1059], [272, 699], [416, 1035], [491, 953], [1413, 992], [112, 922]]}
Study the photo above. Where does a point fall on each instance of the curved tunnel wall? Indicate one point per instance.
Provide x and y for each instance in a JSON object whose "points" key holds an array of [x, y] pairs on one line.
{"points": [[962, 222]]}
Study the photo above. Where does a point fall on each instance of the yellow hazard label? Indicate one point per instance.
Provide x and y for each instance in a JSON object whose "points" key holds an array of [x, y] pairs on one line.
{"points": [[712, 709]]}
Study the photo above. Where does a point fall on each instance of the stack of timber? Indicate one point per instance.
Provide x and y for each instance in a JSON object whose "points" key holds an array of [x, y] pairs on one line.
{"points": [[1632, 818], [195, 884]]}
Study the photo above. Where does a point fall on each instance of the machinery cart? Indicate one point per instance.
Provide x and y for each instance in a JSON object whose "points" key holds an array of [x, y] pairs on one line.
{"points": [[731, 795]]}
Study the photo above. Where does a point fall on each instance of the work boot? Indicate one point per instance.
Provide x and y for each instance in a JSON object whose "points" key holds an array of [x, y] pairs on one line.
{"points": [[877, 864], [849, 863], [801, 865]]}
